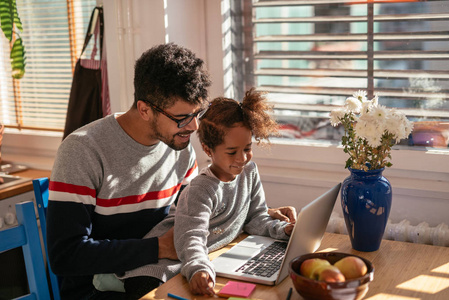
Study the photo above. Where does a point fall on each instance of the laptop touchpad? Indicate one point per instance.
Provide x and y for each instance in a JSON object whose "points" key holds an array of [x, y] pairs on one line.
{"points": [[234, 258]]}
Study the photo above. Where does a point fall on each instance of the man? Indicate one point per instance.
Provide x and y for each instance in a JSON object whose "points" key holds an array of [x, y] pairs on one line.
{"points": [[116, 178]]}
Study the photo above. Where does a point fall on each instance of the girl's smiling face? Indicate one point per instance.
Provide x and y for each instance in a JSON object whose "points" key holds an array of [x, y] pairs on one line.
{"points": [[229, 158]]}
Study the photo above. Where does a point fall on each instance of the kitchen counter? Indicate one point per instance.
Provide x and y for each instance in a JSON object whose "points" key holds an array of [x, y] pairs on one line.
{"points": [[25, 186]]}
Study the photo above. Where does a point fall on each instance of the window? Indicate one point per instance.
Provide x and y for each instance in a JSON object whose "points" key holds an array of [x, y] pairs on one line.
{"points": [[312, 54], [53, 35]]}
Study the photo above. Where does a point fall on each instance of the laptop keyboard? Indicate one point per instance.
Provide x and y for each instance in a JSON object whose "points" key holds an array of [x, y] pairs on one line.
{"points": [[267, 262]]}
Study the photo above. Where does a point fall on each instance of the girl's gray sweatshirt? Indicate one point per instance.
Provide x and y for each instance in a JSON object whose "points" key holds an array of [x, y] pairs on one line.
{"points": [[209, 215]]}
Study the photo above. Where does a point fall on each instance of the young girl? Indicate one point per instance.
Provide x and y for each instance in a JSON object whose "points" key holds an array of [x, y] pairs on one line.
{"points": [[224, 199]]}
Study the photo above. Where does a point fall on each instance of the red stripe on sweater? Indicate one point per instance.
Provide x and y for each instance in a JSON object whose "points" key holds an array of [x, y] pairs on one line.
{"points": [[190, 171], [71, 188], [155, 195], [83, 190]]}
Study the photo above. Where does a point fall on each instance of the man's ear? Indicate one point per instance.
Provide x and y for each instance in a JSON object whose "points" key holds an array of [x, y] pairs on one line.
{"points": [[144, 110], [206, 149]]}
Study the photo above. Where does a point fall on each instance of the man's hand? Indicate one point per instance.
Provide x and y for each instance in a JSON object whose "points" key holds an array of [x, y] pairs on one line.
{"points": [[202, 284], [285, 213], [167, 245]]}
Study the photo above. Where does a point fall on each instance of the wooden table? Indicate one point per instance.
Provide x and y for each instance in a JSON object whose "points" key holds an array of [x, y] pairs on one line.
{"points": [[403, 271], [26, 186]]}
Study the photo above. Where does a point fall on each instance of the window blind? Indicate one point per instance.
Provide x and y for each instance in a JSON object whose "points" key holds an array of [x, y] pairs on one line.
{"points": [[53, 34], [312, 54]]}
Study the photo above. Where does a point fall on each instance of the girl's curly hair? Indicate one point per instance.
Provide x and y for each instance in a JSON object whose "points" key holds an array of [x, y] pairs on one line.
{"points": [[224, 113]]}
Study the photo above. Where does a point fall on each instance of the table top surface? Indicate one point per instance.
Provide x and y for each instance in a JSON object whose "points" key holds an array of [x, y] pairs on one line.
{"points": [[23, 187], [403, 271]]}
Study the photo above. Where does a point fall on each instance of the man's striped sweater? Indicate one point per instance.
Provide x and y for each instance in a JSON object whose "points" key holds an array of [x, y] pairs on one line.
{"points": [[106, 192]]}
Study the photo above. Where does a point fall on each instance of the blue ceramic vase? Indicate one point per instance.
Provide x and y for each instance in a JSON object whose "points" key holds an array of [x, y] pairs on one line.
{"points": [[366, 203]]}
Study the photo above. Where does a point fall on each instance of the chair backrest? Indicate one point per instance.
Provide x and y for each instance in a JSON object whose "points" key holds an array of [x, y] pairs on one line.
{"points": [[26, 235], [40, 186]]}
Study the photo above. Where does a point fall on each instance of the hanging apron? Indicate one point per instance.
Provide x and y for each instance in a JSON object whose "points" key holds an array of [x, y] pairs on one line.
{"points": [[85, 102]]}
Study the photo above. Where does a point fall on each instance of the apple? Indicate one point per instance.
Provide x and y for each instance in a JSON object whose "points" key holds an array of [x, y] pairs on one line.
{"points": [[328, 273], [351, 267], [309, 265]]}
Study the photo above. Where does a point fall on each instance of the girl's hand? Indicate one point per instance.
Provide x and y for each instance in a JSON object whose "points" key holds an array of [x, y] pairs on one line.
{"points": [[289, 228], [285, 213], [202, 284]]}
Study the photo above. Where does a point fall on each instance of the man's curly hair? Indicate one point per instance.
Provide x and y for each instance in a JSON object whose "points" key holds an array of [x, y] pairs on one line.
{"points": [[225, 113], [168, 71]]}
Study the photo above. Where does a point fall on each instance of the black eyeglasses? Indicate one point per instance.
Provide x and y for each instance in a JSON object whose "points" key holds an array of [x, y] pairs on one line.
{"points": [[181, 122]]}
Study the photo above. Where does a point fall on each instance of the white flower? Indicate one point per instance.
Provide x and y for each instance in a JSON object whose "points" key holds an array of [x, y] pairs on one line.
{"points": [[370, 128], [360, 95], [374, 141], [398, 125], [367, 105], [367, 131], [408, 126], [353, 104], [336, 115], [379, 113], [393, 124], [375, 100]]}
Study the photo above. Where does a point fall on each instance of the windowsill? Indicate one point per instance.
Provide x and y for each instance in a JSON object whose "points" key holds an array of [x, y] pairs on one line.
{"points": [[35, 149], [295, 174], [417, 171], [29, 132], [330, 153]]}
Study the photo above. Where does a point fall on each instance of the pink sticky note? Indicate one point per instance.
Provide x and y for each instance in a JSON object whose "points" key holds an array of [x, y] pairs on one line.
{"points": [[238, 289]]}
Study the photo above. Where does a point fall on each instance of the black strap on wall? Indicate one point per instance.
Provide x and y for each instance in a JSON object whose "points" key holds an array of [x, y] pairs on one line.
{"points": [[85, 102]]}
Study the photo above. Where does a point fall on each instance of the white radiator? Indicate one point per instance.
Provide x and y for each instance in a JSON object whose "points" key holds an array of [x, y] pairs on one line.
{"points": [[402, 231]]}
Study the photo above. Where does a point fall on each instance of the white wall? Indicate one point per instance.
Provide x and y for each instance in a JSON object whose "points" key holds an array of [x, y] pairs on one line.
{"points": [[135, 26], [291, 174]]}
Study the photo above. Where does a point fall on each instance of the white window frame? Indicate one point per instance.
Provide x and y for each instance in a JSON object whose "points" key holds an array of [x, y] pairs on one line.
{"points": [[295, 171], [292, 172]]}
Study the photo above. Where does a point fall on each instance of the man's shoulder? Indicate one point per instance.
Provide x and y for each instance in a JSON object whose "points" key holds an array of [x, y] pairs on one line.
{"points": [[92, 130]]}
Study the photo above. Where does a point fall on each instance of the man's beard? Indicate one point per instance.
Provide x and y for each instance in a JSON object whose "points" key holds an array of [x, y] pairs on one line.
{"points": [[170, 142]]}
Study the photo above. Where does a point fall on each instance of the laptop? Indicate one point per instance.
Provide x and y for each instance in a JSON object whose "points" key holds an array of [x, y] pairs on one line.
{"points": [[241, 261]]}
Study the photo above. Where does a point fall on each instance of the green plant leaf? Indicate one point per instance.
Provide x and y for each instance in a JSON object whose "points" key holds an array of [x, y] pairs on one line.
{"points": [[348, 163], [17, 21], [18, 59], [7, 17]]}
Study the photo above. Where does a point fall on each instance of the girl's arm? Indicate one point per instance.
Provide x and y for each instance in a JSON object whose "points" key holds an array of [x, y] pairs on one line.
{"points": [[191, 231], [258, 221]]}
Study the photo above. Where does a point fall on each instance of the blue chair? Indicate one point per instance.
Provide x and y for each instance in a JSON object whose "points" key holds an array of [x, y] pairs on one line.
{"points": [[40, 186], [26, 235]]}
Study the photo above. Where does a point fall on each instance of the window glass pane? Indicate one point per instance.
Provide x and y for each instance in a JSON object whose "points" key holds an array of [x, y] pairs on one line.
{"points": [[311, 55], [53, 34]]}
